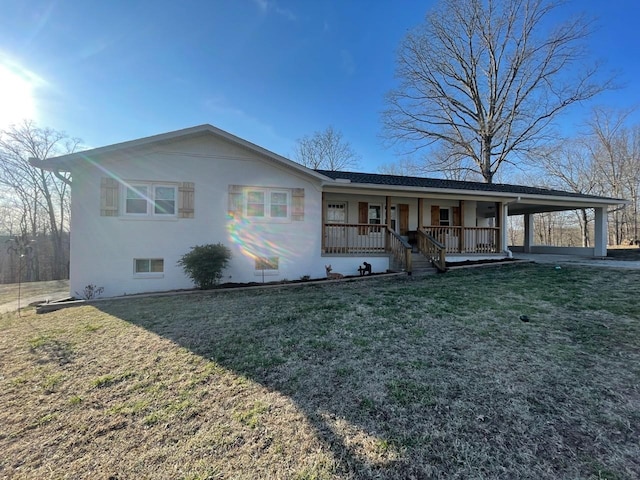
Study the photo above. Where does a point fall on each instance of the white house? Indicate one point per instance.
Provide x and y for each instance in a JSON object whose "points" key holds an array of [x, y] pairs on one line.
{"points": [[138, 206]]}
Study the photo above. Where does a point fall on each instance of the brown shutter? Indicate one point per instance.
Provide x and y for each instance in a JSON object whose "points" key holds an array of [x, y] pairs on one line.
{"points": [[363, 216], [109, 195], [186, 200], [297, 204], [435, 215], [456, 217], [235, 201], [403, 218]]}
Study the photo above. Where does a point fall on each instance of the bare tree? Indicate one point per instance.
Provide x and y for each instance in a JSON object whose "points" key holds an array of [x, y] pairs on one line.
{"points": [[570, 166], [486, 78], [40, 198], [326, 150]]}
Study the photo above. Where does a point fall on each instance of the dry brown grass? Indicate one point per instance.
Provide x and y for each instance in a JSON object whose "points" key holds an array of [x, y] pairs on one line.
{"points": [[394, 378], [9, 291]]}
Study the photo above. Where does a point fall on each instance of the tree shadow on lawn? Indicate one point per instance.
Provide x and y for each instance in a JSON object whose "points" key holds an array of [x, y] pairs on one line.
{"points": [[391, 395]]}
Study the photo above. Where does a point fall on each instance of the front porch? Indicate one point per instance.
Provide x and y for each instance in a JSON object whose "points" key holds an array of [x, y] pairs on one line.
{"points": [[439, 229]]}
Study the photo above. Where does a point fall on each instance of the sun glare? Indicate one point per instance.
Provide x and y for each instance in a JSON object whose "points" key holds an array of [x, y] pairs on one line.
{"points": [[16, 95]]}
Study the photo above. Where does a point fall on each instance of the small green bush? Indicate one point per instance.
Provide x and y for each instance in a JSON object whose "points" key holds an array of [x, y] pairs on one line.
{"points": [[204, 264]]}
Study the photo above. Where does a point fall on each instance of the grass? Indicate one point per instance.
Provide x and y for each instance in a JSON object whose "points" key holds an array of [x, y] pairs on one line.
{"points": [[391, 378], [9, 291]]}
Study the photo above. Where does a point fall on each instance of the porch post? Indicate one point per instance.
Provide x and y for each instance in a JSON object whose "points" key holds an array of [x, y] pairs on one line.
{"points": [[528, 232], [387, 246], [502, 212], [420, 212], [322, 220], [600, 232]]}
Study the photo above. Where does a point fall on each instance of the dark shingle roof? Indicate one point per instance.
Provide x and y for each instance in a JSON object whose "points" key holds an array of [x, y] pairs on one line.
{"points": [[439, 183]]}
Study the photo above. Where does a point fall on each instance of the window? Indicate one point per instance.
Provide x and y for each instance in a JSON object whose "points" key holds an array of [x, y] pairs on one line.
{"points": [[136, 202], [375, 214], [268, 203], [148, 266], [336, 213], [150, 199], [165, 200], [444, 217], [267, 265], [279, 204], [255, 204]]}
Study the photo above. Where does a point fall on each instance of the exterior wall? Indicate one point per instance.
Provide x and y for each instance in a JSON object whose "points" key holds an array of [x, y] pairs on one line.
{"points": [[469, 213], [103, 248]]}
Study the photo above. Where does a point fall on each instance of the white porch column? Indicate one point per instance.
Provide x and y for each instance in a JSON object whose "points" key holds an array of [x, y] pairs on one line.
{"points": [[504, 228], [600, 232], [528, 232]]}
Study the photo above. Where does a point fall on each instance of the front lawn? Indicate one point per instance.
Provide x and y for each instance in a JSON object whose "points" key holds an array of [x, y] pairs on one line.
{"points": [[390, 378]]}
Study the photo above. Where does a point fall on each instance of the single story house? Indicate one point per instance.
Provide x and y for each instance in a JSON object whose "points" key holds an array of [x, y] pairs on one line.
{"points": [[138, 206]]}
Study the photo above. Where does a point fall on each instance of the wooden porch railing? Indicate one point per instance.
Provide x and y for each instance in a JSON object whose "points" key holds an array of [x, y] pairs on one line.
{"points": [[363, 238], [401, 251], [432, 249], [466, 239], [354, 238]]}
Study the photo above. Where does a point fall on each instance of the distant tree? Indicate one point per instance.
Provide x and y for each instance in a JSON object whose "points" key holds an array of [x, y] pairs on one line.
{"points": [[38, 199], [487, 78], [326, 150]]}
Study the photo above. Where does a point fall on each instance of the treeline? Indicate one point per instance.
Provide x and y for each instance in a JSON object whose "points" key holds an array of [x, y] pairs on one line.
{"points": [[24, 259], [34, 205]]}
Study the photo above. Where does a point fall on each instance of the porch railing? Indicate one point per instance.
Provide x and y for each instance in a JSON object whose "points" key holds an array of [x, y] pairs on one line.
{"points": [[466, 239], [354, 238], [401, 251], [432, 249]]}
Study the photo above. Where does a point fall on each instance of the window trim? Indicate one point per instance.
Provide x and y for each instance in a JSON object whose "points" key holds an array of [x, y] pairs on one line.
{"points": [[150, 198], [267, 193], [147, 274], [331, 205]]}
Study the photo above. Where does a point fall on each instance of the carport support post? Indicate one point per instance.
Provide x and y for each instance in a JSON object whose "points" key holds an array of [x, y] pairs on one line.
{"points": [[600, 232], [528, 232]]}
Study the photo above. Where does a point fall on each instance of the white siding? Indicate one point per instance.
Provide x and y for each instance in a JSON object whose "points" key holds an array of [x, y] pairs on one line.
{"points": [[103, 248]]}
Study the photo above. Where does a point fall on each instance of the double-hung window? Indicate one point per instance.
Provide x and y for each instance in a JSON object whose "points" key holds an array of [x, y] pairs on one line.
{"points": [[268, 204], [150, 199]]}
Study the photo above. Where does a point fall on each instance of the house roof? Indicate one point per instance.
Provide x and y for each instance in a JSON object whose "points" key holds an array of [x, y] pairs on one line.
{"points": [[458, 185], [65, 162]]}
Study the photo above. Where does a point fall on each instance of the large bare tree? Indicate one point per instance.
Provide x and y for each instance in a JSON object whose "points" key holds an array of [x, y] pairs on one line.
{"points": [[326, 150], [37, 199], [487, 78]]}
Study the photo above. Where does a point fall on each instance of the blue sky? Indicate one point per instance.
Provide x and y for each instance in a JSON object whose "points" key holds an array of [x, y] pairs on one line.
{"points": [[269, 71]]}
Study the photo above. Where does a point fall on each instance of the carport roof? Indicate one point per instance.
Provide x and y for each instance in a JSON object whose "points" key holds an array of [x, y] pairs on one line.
{"points": [[444, 184]]}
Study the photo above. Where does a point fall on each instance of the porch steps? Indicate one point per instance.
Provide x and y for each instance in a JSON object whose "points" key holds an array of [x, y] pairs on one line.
{"points": [[421, 265]]}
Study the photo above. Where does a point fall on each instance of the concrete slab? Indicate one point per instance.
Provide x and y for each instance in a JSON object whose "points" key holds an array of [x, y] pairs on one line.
{"points": [[577, 260]]}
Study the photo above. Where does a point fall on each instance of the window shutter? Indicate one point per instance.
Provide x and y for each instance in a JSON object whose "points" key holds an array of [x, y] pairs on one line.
{"points": [[363, 216], [109, 194], [435, 215], [186, 200], [297, 204], [456, 217], [235, 201]]}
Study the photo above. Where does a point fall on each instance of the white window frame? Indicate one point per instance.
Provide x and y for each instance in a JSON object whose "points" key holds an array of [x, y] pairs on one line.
{"points": [[150, 198], [373, 207], [267, 205], [336, 206], [149, 273]]}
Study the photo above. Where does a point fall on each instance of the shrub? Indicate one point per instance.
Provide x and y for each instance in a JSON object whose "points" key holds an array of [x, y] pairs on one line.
{"points": [[204, 264]]}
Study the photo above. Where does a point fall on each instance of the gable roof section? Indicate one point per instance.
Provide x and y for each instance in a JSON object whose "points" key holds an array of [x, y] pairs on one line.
{"points": [[65, 162], [458, 185]]}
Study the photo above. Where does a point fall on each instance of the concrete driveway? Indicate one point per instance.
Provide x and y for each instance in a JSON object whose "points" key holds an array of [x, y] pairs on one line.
{"points": [[577, 260]]}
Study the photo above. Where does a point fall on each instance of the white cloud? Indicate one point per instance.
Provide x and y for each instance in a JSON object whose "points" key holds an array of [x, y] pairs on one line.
{"points": [[267, 6]]}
